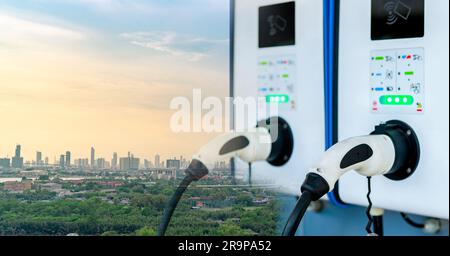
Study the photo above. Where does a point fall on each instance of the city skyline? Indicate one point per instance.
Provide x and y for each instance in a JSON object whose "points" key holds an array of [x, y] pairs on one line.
{"points": [[70, 159], [81, 73]]}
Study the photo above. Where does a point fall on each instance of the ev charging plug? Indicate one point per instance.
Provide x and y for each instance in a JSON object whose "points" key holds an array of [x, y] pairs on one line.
{"points": [[271, 141], [391, 150]]}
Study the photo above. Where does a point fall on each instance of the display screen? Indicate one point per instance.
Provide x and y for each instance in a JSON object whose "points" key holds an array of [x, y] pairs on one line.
{"points": [[396, 19], [277, 25]]}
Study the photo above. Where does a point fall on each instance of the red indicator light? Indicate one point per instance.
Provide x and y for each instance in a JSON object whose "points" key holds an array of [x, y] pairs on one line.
{"points": [[409, 57]]}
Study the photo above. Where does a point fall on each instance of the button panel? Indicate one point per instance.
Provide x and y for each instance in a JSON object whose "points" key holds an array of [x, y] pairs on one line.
{"points": [[277, 77], [397, 81]]}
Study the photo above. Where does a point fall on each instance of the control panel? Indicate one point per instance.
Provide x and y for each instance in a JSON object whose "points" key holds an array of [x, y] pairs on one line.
{"points": [[397, 81], [394, 65], [277, 81], [278, 60]]}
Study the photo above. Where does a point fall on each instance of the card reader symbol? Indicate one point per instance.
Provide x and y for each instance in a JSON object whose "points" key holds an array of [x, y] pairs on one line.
{"points": [[396, 10], [277, 24]]}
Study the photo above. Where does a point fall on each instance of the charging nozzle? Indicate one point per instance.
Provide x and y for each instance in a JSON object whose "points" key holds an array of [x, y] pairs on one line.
{"points": [[391, 150], [271, 141]]}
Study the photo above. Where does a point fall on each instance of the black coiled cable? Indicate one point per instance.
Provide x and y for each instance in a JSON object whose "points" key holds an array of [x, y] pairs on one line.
{"points": [[369, 208]]}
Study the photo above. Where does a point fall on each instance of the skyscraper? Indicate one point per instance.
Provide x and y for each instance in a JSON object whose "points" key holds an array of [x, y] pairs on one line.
{"points": [[114, 161], [5, 163], [92, 157], [101, 163], [173, 164], [157, 161], [38, 158], [129, 163], [68, 160], [62, 163], [17, 160]]}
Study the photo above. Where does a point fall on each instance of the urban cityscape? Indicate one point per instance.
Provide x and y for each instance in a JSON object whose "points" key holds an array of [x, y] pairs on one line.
{"points": [[64, 161], [126, 196]]}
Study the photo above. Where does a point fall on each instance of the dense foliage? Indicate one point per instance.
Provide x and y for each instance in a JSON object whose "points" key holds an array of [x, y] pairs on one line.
{"points": [[135, 209]]}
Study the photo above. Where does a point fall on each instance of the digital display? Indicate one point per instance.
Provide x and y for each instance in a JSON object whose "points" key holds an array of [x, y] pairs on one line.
{"points": [[396, 19], [277, 25]]}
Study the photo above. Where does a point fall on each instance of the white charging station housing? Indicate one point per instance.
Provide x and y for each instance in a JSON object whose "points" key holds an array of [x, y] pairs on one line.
{"points": [[278, 57], [394, 65]]}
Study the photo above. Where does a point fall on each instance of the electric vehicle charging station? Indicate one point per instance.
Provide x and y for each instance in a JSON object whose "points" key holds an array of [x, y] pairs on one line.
{"points": [[393, 65], [278, 56]]}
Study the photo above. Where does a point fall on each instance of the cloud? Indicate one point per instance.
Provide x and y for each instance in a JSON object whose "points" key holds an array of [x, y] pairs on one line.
{"points": [[190, 47], [146, 6], [34, 30]]}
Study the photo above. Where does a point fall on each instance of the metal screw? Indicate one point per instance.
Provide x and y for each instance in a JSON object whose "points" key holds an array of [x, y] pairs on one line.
{"points": [[409, 171], [409, 132]]}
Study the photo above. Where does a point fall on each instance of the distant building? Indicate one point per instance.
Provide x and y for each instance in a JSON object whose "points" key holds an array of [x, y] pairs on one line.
{"points": [[54, 187], [173, 164], [163, 174], [81, 163], [158, 161], [68, 158], [112, 184], [62, 161], [129, 163], [92, 157], [17, 160], [39, 158], [114, 161], [5, 163], [46, 161], [101, 163], [17, 186]]}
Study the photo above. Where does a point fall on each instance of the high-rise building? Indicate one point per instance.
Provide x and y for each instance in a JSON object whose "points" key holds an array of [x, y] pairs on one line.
{"points": [[62, 159], [82, 163], [101, 163], [158, 161], [68, 158], [146, 164], [17, 160], [92, 157], [39, 158], [129, 163], [173, 164], [114, 161], [46, 161], [5, 163]]}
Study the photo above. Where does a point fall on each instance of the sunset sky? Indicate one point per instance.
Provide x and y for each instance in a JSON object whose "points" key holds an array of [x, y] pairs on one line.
{"points": [[82, 73]]}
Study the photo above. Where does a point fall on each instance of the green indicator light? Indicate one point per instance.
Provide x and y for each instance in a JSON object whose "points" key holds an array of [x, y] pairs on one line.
{"points": [[409, 73], [397, 100], [285, 75], [379, 58], [264, 63], [276, 99]]}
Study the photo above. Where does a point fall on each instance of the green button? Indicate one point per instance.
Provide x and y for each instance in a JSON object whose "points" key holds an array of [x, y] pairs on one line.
{"points": [[277, 99], [397, 100]]}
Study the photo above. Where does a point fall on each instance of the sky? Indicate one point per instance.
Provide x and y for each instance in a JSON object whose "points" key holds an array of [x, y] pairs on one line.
{"points": [[102, 73]]}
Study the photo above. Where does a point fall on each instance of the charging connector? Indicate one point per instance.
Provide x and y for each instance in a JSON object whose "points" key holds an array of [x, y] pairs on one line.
{"points": [[391, 150], [271, 141]]}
